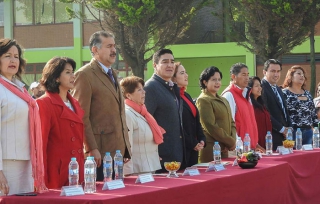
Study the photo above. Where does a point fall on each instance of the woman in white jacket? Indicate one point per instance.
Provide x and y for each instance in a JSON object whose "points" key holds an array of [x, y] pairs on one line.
{"points": [[144, 132], [21, 162]]}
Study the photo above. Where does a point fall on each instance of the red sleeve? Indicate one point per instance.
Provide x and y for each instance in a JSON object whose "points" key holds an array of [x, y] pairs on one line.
{"points": [[45, 117]]}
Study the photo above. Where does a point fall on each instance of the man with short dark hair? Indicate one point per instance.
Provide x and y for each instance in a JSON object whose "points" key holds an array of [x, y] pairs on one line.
{"points": [[164, 103], [97, 89], [275, 101], [241, 108]]}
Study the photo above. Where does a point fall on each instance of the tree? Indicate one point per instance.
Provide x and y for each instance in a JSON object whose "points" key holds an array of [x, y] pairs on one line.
{"points": [[314, 18], [272, 27], [141, 26]]}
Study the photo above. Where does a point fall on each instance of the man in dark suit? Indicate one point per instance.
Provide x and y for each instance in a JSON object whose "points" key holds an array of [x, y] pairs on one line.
{"points": [[164, 103], [275, 101]]}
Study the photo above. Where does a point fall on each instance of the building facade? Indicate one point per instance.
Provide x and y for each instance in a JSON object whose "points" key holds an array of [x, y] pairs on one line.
{"points": [[43, 28]]}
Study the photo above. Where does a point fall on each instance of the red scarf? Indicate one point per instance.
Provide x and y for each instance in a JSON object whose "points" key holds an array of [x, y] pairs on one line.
{"points": [[190, 104], [36, 150], [156, 129]]}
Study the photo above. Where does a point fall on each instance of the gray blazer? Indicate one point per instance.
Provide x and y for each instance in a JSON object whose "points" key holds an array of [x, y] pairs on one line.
{"points": [[165, 104]]}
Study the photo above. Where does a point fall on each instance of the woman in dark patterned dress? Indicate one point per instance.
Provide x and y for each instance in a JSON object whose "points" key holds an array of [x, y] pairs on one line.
{"points": [[300, 103]]}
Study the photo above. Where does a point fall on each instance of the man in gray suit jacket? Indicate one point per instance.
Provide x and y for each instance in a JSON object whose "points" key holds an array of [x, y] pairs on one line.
{"points": [[164, 103]]}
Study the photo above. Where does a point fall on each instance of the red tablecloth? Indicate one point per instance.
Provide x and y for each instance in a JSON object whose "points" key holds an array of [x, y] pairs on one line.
{"points": [[276, 179]]}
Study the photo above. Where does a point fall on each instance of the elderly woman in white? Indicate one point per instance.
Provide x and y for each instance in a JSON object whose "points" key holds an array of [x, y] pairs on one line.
{"points": [[144, 132], [21, 162]]}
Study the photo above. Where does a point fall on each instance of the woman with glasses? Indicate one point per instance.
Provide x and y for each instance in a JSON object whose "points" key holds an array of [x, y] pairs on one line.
{"points": [[300, 104]]}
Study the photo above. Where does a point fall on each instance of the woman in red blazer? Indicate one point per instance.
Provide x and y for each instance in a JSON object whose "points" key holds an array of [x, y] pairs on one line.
{"points": [[61, 122]]}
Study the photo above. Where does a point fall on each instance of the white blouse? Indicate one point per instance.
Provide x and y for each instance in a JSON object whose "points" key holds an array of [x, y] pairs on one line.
{"points": [[14, 127]]}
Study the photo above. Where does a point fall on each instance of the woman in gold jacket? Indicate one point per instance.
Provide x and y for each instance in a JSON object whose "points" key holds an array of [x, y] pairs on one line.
{"points": [[215, 115]]}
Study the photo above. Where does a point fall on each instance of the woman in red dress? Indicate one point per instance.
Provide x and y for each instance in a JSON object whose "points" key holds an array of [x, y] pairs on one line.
{"points": [[261, 114]]}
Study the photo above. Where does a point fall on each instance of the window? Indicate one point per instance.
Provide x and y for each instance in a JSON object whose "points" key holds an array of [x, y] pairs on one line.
{"points": [[43, 12], [90, 13], [33, 12], [23, 15], [1, 13], [33, 72], [60, 12]]}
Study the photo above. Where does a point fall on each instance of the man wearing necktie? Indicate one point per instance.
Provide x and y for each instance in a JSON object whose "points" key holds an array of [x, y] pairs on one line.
{"points": [[275, 101], [97, 90]]}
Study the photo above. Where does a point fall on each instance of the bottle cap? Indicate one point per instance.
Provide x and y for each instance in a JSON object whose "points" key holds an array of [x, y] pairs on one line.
{"points": [[107, 153], [298, 128], [268, 132], [89, 158], [73, 159], [216, 142], [117, 151]]}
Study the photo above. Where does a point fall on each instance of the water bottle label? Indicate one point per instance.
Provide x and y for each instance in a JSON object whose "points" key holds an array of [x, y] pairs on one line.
{"points": [[268, 141], [119, 163], [73, 171], [216, 152], [89, 170], [246, 143], [106, 165]]}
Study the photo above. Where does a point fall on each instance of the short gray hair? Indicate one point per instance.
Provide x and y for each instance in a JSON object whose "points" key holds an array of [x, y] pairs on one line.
{"points": [[95, 40]]}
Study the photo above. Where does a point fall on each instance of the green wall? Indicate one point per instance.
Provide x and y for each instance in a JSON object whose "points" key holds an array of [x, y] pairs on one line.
{"points": [[195, 66], [197, 57]]}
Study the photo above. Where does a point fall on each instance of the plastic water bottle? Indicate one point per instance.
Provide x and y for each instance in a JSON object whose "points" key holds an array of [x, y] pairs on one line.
{"points": [[107, 167], [217, 153], [95, 174], [73, 172], [315, 137], [89, 176], [118, 165], [289, 134], [298, 139], [239, 146], [268, 143], [246, 143]]}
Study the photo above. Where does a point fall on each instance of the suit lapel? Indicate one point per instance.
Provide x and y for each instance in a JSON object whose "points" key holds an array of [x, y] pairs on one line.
{"points": [[185, 104], [105, 79], [271, 92]]}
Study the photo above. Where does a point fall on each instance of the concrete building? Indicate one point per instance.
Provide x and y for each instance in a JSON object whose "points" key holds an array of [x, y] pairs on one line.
{"points": [[43, 28]]}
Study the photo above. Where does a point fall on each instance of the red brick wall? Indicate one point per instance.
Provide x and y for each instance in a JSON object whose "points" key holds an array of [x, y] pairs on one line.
{"points": [[284, 71], [44, 36], [88, 30]]}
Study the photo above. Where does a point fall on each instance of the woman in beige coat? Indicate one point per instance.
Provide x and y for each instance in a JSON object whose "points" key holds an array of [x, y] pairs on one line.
{"points": [[215, 115], [144, 132]]}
